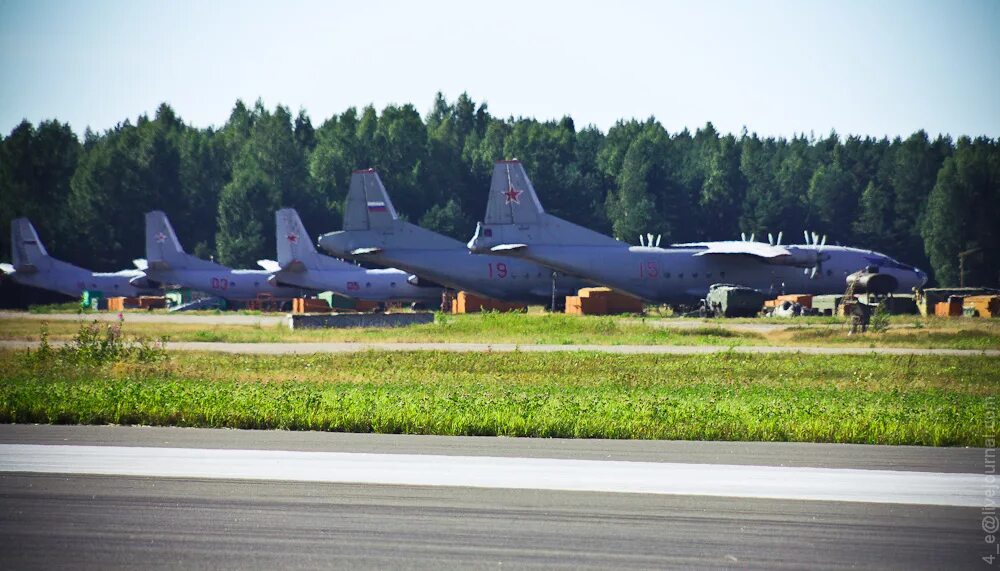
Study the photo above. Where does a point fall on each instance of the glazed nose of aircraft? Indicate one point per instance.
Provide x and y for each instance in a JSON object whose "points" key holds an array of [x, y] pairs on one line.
{"points": [[921, 277]]}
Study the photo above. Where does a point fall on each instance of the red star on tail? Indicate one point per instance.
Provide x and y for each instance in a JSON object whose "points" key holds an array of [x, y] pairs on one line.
{"points": [[512, 195], [293, 238]]}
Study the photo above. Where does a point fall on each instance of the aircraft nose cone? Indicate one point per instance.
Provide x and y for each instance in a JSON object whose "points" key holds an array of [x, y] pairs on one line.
{"points": [[921, 277]]}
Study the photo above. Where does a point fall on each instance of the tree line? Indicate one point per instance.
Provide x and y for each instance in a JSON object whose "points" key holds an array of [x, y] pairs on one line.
{"points": [[922, 200]]}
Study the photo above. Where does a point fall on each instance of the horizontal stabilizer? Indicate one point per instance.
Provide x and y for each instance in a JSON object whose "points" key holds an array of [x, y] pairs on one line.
{"points": [[140, 264], [508, 247], [143, 282], [7, 268], [26, 268], [364, 251], [158, 265], [269, 265]]}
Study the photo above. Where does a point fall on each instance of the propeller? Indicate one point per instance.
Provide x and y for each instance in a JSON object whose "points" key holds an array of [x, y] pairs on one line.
{"points": [[814, 239]]}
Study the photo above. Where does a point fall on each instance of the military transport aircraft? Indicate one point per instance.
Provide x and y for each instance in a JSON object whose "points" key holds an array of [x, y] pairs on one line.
{"points": [[516, 225], [33, 266], [300, 265], [168, 263], [374, 233]]}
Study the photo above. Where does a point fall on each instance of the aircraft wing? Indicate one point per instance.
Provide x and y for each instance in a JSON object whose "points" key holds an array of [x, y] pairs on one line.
{"points": [[737, 248]]}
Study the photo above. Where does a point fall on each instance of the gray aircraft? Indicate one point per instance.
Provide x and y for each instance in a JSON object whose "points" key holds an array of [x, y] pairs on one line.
{"points": [[168, 263], [33, 266], [300, 265], [373, 232], [516, 225]]}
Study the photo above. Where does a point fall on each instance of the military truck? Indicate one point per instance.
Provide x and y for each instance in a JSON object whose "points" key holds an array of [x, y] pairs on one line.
{"points": [[728, 300]]}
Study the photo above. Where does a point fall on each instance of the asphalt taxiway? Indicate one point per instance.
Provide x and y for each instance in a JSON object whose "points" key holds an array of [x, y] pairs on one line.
{"points": [[56, 514]]}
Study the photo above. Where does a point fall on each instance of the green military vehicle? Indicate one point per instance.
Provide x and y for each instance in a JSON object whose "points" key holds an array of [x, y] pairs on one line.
{"points": [[728, 300]]}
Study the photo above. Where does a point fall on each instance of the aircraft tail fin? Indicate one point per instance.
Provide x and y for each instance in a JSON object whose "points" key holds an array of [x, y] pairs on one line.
{"points": [[368, 204], [515, 219], [296, 251], [292, 239], [28, 250], [512, 196], [163, 249]]}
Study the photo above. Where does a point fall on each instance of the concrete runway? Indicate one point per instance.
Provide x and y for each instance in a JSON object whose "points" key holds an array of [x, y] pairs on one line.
{"points": [[112, 521], [356, 347]]}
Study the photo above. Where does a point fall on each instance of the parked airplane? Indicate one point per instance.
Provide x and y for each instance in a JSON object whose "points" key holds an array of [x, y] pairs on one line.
{"points": [[516, 225], [300, 265], [168, 263], [373, 232], [33, 266]]}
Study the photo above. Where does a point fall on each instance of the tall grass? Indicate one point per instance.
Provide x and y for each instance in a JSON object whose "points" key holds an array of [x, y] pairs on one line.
{"points": [[862, 399]]}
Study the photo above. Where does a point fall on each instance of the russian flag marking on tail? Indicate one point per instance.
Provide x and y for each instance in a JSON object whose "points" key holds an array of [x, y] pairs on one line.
{"points": [[376, 206]]}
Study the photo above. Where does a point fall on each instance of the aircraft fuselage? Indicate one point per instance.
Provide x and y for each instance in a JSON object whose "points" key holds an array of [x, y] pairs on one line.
{"points": [[679, 276]]}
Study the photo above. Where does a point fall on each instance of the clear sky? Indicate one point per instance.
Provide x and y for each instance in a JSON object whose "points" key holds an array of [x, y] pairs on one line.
{"points": [[776, 67]]}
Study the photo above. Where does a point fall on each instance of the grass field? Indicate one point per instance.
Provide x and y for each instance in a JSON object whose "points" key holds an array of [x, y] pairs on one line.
{"points": [[558, 329], [873, 399]]}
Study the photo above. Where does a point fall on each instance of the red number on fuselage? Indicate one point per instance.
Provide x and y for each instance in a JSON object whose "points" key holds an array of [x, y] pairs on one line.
{"points": [[648, 270], [220, 283], [500, 272]]}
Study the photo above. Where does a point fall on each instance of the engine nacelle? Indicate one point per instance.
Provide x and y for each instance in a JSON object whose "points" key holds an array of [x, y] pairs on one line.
{"points": [[869, 280]]}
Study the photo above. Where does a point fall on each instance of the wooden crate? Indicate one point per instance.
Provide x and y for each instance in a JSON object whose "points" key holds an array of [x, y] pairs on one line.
{"points": [[152, 302], [602, 301], [803, 299], [365, 306], [466, 302], [950, 308], [573, 305], [122, 303], [310, 305], [983, 305]]}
